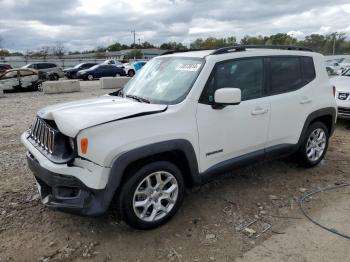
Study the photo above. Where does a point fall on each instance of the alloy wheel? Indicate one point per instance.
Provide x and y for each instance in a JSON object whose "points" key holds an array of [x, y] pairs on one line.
{"points": [[316, 144], [155, 196]]}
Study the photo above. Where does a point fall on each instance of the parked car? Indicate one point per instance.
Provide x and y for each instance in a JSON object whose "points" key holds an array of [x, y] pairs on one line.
{"points": [[18, 79], [342, 86], [55, 71], [98, 71], [337, 65], [131, 68], [113, 62], [182, 120], [4, 67], [72, 72]]}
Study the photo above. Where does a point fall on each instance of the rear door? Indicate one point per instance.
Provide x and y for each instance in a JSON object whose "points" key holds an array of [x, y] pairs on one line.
{"points": [[291, 88]]}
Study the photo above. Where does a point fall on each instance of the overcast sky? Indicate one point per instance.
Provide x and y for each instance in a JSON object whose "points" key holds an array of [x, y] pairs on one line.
{"points": [[86, 24]]}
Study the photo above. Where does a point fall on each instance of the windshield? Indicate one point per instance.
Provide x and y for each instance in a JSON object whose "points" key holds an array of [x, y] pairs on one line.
{"points": [[165, 80], [347, 72], [77, 66], [94, 67]]}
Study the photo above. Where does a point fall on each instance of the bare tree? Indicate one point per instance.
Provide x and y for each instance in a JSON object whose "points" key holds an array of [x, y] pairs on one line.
{"points": [[44, 51], [58, 49]]}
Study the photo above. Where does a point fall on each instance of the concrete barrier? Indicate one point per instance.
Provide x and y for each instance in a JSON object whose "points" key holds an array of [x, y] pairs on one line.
{"points": [[113, 82], [1, 93], [63, 86]]}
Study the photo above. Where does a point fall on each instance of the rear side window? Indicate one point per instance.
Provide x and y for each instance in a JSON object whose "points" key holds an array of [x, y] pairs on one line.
{"points": [[308, 69], [285, 74]]}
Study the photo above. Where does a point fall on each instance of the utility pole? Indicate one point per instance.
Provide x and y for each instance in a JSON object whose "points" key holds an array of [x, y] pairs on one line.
{"points": [[134, 33], [334, 37]]}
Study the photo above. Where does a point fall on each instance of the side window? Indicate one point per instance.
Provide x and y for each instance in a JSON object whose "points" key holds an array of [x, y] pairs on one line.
{"points": [[308, 69], [285, 74], [26, 73], [245, 74], [40, 66], [11, 74]]}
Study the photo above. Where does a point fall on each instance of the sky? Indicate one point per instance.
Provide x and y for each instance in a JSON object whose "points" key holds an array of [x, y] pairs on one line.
{"points": [[87, 24]]}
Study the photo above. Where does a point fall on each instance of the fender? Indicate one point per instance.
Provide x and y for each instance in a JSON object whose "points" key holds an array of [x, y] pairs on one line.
{"points": [[122, 162], [328, 111]]}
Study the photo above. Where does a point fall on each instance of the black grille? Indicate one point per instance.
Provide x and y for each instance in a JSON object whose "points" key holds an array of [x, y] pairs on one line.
{"points": [[343, 110], [43, 135]]}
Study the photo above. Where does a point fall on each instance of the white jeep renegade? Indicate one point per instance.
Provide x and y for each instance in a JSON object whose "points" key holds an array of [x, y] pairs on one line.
{"points": [[182, 120]]}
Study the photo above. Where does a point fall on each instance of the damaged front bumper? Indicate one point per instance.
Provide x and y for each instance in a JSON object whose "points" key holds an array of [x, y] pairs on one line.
{"points": [[66, 193], [80, 188]]}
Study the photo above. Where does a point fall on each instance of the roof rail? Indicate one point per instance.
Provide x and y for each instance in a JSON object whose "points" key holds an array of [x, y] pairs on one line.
{"points": [[183, 51], [238, 48]]}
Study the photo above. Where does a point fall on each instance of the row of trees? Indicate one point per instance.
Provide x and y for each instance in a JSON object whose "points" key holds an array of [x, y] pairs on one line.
{"points": [[337, 43]]}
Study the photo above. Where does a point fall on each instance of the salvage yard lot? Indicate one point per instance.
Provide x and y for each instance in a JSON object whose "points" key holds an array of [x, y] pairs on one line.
{"points": [[203, 229]]}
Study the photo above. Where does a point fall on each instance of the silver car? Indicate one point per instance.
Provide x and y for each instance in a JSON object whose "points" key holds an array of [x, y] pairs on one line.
{"points": [[54, 71]]}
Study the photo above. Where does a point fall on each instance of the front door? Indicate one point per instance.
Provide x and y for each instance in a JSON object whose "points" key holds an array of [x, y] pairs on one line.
{"points": [[234, 130]]}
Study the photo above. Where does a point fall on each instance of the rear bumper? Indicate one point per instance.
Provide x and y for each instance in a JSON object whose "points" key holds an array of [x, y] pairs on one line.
{"points": [[67, 193]]}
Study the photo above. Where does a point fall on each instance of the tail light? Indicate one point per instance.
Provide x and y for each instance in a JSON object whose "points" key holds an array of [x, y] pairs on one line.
{"points": [[334, 91]]}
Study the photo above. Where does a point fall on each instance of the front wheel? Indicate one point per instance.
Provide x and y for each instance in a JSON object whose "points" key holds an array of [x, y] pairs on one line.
{"points": [[90, 77], [151, 195], [314, 145]]}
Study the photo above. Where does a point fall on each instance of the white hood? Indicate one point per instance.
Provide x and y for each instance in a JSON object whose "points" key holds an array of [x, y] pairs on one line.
{"points": [[72, 117], [341, 83]]}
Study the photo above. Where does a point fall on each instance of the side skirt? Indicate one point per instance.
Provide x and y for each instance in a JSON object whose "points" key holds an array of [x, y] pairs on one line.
{"points": [[268, 154]]}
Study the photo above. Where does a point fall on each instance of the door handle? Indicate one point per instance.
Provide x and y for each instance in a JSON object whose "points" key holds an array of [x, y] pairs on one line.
{"points": [[259, 111], [305, 100]]}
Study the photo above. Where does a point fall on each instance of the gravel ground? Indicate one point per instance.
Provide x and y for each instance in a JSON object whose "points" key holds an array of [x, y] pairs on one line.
{"points": [[205, 228]]}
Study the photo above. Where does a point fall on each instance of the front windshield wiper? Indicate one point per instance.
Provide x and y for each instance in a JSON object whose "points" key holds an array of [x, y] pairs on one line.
{"points": [[117, 93], [138, 98]]}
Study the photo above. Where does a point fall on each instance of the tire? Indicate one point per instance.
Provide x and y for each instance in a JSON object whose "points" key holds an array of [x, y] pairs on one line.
{"points": [[55, 77], [157, 210], [311, 153], [131, 73], [117, 75], [90, 77]]}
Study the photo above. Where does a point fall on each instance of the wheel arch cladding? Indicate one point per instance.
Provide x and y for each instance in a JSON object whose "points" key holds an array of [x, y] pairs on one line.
{"points": [[325, 115], [178, 151]]}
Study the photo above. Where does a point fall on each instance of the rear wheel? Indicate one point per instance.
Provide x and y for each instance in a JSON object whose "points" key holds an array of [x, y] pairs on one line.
{"points": [[314, 145], [151, 195]]}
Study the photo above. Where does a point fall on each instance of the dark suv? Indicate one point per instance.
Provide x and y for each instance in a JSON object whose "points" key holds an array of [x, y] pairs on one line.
{"points": [[54, 71], [72, 72]]}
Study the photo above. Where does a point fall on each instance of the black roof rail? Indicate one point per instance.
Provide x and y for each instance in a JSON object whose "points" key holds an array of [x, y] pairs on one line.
{"points": [[183, 51], [238, 48]]}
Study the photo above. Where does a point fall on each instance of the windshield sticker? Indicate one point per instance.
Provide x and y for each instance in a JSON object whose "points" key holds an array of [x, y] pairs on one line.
{"points": [[188, 67]]}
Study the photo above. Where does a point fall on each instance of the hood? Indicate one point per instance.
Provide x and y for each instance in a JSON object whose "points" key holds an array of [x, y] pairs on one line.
{"points": [[83, 71], [341, 83], [72, 117], [69, 69]]}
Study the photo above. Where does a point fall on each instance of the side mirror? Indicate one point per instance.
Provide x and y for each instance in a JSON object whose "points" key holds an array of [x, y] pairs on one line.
{"points": [[227, 96]]}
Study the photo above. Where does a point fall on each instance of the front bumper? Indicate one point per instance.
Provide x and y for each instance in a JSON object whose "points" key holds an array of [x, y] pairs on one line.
{"points": [[344, 112], [80, 187], [67, 193]]}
